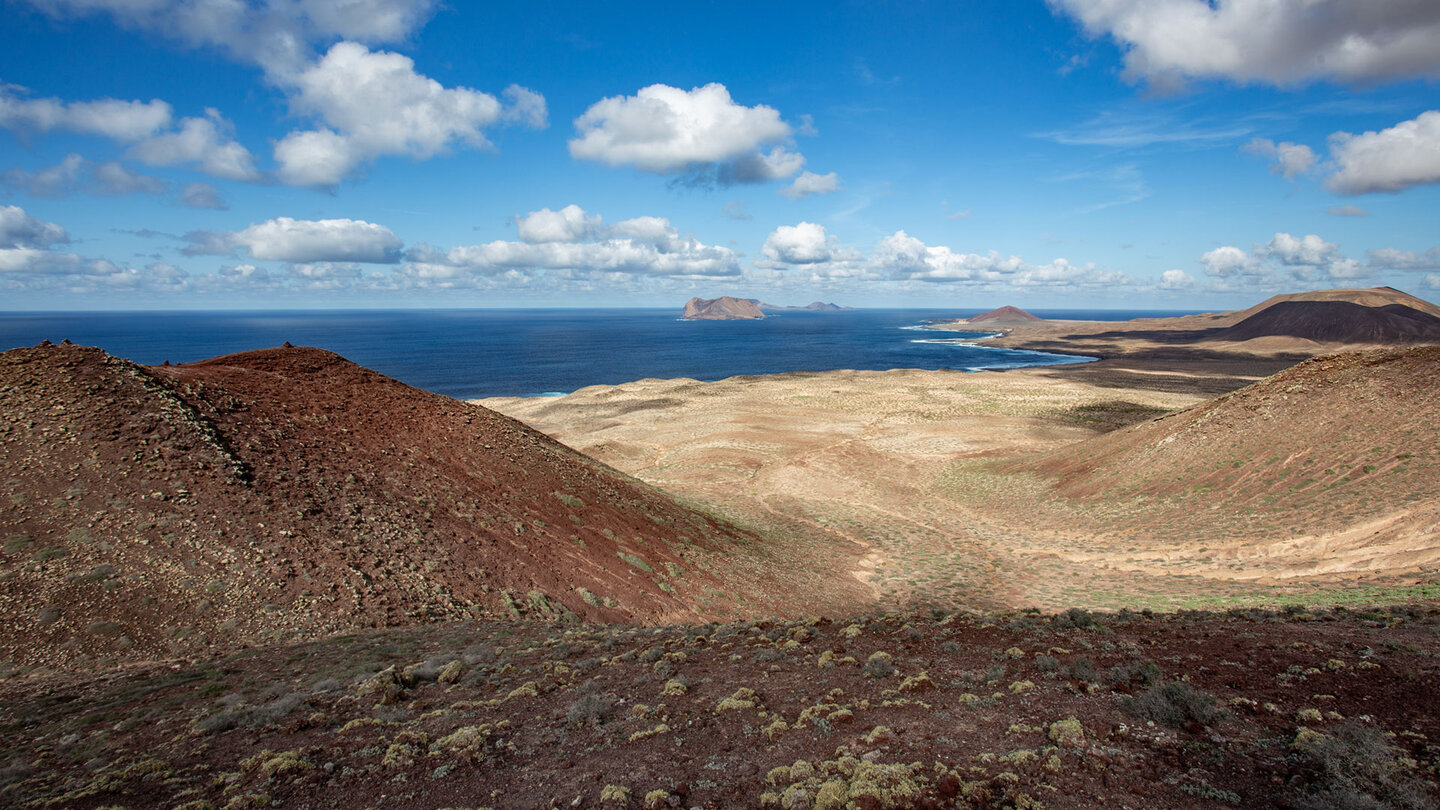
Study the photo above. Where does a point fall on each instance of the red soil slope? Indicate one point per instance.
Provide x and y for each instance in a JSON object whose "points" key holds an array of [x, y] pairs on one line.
{"points": [[288, 492]]}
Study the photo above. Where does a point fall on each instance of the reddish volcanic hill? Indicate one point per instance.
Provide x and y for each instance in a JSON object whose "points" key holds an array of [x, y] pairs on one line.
{"points": [[1004, 315], [1340, 448], [1338, 322], [288, 492]]}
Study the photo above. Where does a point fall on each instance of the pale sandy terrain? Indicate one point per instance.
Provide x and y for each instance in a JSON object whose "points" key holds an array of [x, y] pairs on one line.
{"points": [[855, 463], [894, 474]]}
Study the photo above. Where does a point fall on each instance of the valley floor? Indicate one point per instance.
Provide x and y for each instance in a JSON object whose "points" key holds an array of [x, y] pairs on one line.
{"points": [[894, 472]]}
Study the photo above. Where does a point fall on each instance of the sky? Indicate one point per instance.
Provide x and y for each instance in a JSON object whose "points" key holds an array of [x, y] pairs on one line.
{"points": [[1124, 154]]}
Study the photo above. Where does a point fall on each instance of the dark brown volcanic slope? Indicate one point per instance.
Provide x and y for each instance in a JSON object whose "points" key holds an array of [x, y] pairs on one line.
{"points": [[1338, 322], [288, 492], [1006, 314], [1341, 445], [1371, 297], [724, 308]]}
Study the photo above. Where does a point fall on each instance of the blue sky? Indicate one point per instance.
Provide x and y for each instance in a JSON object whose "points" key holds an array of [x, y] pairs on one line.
{"points": [[1168, 154]]}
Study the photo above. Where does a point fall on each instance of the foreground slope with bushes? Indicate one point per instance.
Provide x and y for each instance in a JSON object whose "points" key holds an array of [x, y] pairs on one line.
{"points": [[1312, 709]]}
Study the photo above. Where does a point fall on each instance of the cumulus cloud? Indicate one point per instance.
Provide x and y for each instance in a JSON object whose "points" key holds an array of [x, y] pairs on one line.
{"points": [[205, 142], [1288, 159], [701, 132], [274, 35], [572, 243], [1392, 259], [806, 249], [569, 224], [903, 256], [1391, 160], [112, 118], [1228, 261], [1284, 256], [27, 252], [365, 103], [805, 243], [1292, 250], [75, 174], [1280, 42], [1176, 280], [203, 195], [809, 183], [373, 103], [302, 241], [20, 230]]}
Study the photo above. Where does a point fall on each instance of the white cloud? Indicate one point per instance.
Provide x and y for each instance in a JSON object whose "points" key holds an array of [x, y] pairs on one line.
{"points": [[315, 158], [573, 244], [1308, 249], [20, 230], [76, 174], [1433, 281], [811, 183], [366, 103], [525, 107], [113, 118], [115, 178], [26, 261], [1392, 259], [667, 130], [303, 241], [1391, 160], [649, 230], [901, 257], [1285, 257], [1176, 280], [569, 224], [1287, 158], [203, 195], [805, 243], [205, 142], [373, 103], [1228, 261], [1270, 41], [274, 35]]}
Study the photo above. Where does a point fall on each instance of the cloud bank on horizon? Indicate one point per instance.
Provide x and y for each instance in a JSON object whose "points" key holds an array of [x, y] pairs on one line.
{"points": [[1178, 153]]}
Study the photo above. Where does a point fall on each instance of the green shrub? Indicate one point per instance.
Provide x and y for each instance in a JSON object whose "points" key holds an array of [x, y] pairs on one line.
{"points": [[1357, 768], [1176, 704]]}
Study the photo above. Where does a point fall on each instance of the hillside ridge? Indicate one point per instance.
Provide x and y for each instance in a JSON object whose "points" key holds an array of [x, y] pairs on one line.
{"points": [[285, 493]]}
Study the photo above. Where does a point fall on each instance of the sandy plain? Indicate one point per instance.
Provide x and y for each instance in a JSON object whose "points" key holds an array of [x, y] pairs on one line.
{"points": [[893, 473]]}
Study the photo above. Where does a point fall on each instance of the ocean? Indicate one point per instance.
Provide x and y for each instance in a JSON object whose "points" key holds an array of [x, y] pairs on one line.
{"points": [[545, 352]]}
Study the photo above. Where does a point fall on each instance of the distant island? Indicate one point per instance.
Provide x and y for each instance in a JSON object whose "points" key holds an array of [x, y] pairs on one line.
{"points": [[729, 308], [813, 306], [724, 308]]}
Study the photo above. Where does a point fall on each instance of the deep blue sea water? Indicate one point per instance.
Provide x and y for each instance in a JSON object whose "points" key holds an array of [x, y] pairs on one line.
{"points": [[509, 352]]}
